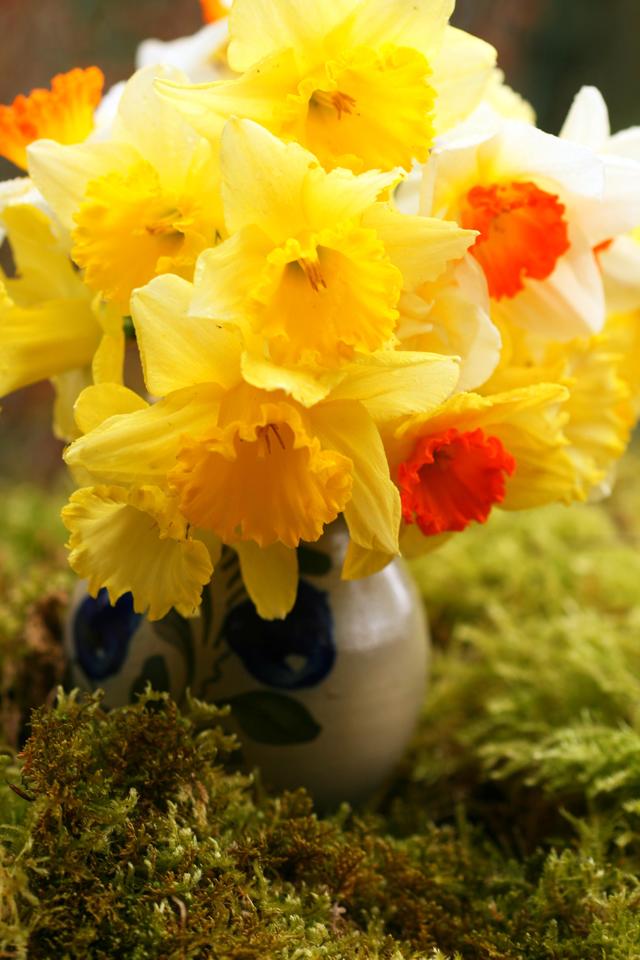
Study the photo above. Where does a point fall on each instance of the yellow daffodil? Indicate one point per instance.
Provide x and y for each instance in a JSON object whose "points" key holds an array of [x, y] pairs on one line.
{"points": [[240, 465], [315, 267], [602, 378], [361, 83], [144, 202]]}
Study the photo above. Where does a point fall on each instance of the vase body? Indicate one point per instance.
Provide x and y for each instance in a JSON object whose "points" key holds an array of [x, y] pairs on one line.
{"points": [[327, 698]]}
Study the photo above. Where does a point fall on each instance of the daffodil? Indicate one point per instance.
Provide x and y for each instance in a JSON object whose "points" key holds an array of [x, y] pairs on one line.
{"points": [[51, 327], [235, 464], [601, 375], [65, 113], [361, 83], [542, 206], [315, 266], [453, 465], [141, 203]]}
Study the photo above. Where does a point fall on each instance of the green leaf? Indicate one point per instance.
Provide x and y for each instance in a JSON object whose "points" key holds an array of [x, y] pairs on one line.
{"points": [[274, 718]]}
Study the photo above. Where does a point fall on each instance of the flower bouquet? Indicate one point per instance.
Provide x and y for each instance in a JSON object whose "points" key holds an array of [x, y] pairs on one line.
{"points": [[361, 283]]}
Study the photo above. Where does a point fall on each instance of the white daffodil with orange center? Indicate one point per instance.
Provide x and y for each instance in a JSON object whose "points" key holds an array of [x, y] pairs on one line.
{"points": [[541, 206], [233, 463], [361, 83], [455, 464], [141, 203], [315, 266]]}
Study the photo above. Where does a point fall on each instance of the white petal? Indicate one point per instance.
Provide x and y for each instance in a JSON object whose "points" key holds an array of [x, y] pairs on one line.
{"points": [[195, 55], [570, 303], [587, 122], [621, 268]]}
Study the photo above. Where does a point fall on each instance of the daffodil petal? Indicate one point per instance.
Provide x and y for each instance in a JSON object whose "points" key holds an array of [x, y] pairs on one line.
{"points": [[220, 283], [165, 569], [360, 562], [68, 387], [260, 94], [421, 247], [176, 349], [263, 180], [260, 27], [37, 343], [306, 386], [44, 270], [100, 401], [61, 173], [399, 383], [462, 71], [373, 513], [270, 575], [141, 447], [587, 122], [404, 23]]}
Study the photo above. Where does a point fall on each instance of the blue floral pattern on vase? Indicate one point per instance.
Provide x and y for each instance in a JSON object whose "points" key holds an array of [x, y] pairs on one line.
{"points": [[288, 654], [102, 634]]}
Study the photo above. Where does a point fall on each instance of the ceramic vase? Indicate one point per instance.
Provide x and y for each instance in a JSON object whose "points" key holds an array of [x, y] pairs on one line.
{"points": [[326, 698]]}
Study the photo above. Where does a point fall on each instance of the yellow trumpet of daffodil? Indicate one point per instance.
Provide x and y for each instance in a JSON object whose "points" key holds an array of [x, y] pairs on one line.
{"points": [[216, 460], [361, 83]]}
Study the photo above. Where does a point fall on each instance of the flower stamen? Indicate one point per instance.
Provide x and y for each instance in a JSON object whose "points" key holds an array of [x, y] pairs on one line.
{"points": [[338, 101], [313, 273]]}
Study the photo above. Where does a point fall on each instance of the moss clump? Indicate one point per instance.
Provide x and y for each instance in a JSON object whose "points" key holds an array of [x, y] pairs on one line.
{"points": [[129, 838], [511, 831]]}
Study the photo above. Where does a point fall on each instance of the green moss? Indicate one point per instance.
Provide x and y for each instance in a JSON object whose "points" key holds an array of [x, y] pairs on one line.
{"points": [[511, 831]]}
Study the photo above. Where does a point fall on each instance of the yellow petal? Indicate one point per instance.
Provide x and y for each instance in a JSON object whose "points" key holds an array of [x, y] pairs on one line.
{"points": [[108, 359], [44, 269], [61, 173], [403, 23], [421, 247], [308, 387], [260, 27], [270, 575], [394, 384], [142, 447], [134, 542], [37, 343], [178, 350], [463, 70], [225, 275], [68, 387], [99, 402], [263, 94], [263, 181], [360, 562], [373, 513]]}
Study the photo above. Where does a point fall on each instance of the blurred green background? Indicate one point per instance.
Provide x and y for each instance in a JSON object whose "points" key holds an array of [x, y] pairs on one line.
{"points": [[548, 49]]}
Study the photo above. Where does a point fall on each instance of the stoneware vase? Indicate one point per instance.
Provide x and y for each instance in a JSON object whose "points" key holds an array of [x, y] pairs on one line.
{"points": [[327, 698]]}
